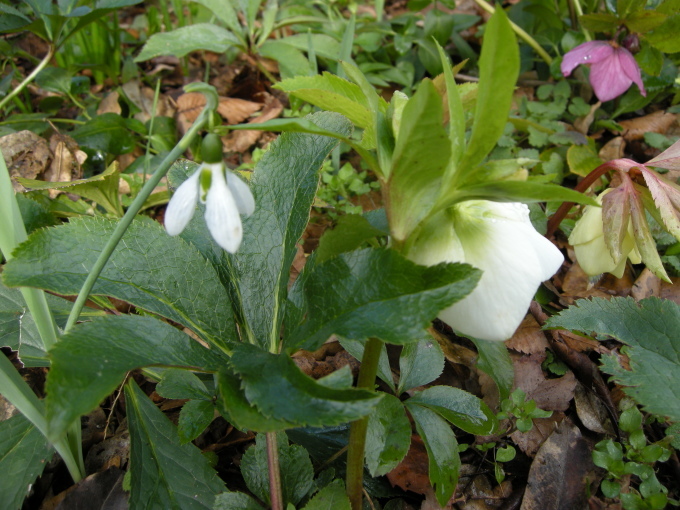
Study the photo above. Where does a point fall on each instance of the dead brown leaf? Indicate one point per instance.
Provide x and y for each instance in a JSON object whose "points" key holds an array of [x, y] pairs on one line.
{"points": [[26, 154], [549, 394], [613, 149], [657, 122], [143, 98], [529, 338], [671, 290], [412, 473], [582, 124], [530, 442], [110, 104], [481, 495], [103, 490], [647, 285], [240, 141], [591, 411]]}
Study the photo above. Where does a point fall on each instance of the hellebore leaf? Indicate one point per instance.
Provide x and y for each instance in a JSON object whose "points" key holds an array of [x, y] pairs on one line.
{"points": [[650, 330], [166, 474], [420, 363], [388, 436], [669, 159], [377, 293], [148, 269], [92, 359]]}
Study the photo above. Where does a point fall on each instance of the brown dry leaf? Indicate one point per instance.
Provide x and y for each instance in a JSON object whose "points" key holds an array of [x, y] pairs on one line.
{"points": [[298, 264], [549, 394], [591, 411], [577, 285], [561, 472], [236, 110], [647, 285], [110, 104], [26, 154], [67, 161], [143, 98], [240, 141], [613, 149], [114, 451], [480, 495], [671, 290], [657, 122], [582, 124], [431, 503], [530, 442], [412, 473], [529, 338], [100, 490]]}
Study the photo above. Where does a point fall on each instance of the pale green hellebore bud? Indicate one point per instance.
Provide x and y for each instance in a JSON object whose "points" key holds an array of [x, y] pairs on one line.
{"points": [[499, 239], [590, 247]]}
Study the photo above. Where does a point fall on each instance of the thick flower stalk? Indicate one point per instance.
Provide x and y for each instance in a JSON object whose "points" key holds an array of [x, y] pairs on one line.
{"points": [[499, 239], [612, 68], [225, 196]]}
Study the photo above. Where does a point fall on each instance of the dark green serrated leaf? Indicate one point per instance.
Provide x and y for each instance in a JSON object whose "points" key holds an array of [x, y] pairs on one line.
{"points": [[388, 436], [420, 363], [165, 474], [459, 407], [297, 473], [650, 329], [148, 269], [284, 184], [194, 418], [235, 501], [377, 293], [351, 232], [494, 360], [92, 359], [331, 497], [178, 384], [277, 387], [442, 451], [356, 349], [24, 453]]}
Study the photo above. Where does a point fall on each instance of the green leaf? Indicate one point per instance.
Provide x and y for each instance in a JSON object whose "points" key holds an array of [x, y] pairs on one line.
{"points": [[351, 231], [498, 71], [226, 13], [24, 453], [331, 497], [324, 46], [292, 62], [284, 185], [179, 384], [12, 19], [194, 418], [90, 361], [106, 132], [583, 159], [459, 407], [55, 79], [165, 473], [299, 399], [388, 436], [183, 40], [520, 191], [650, 329], [148, 269], [644, 21], [420, 157], [494, 360], [442, 450], [297, 473], [235, 501], [377, 293], [599, 22], [665, 38], [356, 349], [420, 363]]}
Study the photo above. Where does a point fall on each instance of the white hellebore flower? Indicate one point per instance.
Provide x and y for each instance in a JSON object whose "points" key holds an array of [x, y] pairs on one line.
{"points": [[225, 197], [499, 239]]}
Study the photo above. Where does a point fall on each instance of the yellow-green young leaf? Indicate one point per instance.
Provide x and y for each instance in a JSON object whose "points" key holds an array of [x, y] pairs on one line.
{"points": [[665, 37], [165, 473], [388, 436], [299, 399], [90, 361], [148, 269], [583, 159], [377, 293], [24, 453], [650, 330]]}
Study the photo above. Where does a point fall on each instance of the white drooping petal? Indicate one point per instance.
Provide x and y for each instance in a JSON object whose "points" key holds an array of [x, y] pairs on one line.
{"points": [[182, 205], [241, 193], [498, 238], [221, 214]]}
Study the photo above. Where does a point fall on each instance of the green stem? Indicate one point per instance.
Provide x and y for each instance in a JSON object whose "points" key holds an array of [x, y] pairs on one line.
{"points": [[520, 32], [147, 189], [28, 78], [579, 12], [275, 492], [357, 432]]}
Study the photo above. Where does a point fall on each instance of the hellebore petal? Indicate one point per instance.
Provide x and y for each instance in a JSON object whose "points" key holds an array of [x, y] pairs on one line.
{"points": [[181, 207], [222, 215], [499, 239], [242, 194], [587, 53]]}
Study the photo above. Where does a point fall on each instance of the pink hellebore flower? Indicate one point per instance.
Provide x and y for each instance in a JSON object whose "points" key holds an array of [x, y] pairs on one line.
{"points": [[612, 68]]}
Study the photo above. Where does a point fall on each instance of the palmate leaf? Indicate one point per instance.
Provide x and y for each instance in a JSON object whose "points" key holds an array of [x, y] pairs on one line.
{"points": [[377, 293], [166, 474], [148, 269], [650, 330], [92, 359]]}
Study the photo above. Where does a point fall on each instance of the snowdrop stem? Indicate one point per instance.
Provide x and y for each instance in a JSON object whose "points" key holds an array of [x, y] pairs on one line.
{"points": [[520, 32], [212, 101], [587, 182], [357, 432]]}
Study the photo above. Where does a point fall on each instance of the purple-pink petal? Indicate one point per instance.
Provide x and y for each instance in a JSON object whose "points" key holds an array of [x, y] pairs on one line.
{"points": [[590, 52], [608, 79], [630, 68]]}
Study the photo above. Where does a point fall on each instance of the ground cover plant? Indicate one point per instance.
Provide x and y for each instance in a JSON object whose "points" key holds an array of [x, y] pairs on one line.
{"points": [[339, 255]]}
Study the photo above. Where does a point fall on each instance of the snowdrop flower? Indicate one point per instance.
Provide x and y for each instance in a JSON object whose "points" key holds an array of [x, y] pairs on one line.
{"points": [[225, 197], [499, 239], [590, 247], [612, 68]]}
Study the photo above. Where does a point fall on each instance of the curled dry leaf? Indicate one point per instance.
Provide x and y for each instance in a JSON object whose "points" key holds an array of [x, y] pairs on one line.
{"points": [[582, 124], [591, 411], [613, 149], [529, 338], [657, 122], [110, 104], [143, 98], [549, 394], [647, 285], [232, 109], [240, 141], [26, 155], [530, 442]]}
